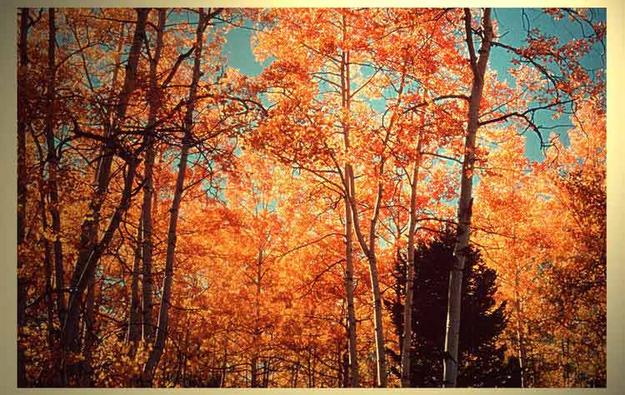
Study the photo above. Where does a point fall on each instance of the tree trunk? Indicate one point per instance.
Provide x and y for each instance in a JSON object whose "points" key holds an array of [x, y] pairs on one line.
{"points": [[519, 329], [22, 190], [163, 318], [148, 189], [254, 372], [349, 289], [224, 365], [86, 370], [134, 314], [369, 251], [53, 163], [349, 254], [350, 193], [380, 353], [478, 67], [47, 264], [410, 274], [90, 250]]}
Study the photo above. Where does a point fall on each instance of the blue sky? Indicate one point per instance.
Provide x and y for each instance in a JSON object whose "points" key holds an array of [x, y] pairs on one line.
{"points": [[512, 31]]}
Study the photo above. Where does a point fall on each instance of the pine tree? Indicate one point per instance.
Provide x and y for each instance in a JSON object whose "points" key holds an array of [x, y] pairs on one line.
{"points": [[482, 361]]}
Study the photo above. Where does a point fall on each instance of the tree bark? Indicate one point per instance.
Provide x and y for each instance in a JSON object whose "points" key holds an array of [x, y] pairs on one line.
{"points": [[163, 318], [478, 67], [410, 273], [148, 189]]}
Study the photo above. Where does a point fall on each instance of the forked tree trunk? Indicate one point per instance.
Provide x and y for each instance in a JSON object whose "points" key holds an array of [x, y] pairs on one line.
{"points": [[163, 318], [478, 67], [369, 251], [90, 249], [349, 253]]}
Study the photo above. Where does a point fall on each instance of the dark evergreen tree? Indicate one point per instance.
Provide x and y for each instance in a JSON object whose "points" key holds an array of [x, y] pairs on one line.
{"points": [[482, 362]]}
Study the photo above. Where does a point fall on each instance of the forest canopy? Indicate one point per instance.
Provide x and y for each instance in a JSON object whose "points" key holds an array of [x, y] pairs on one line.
{"points": [[376, 197]]}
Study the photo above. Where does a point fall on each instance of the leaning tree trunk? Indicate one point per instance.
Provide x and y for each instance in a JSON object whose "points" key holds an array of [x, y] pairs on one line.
{"points": [[163, 318], [478, 67], [89, 250]]}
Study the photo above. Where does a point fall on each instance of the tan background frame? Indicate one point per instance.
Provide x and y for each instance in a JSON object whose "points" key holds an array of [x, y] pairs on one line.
{"points": [[615, 181]]}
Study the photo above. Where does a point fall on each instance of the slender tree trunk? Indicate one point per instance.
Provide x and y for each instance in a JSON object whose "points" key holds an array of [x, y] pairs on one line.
{"points": [[349, 288], [47, 263], [90, 250], [349, 254], [266, 373], [410, 273], [478, 67], [163, 318], [295, 375], [519, 329], [148, 189], [254, 372], [86, 371], [22, 190], [380, 352], [350, 193], [369, 251], [47, 249], [134, 314], [224, 365], [257, 330], [53, 164], [52, 339], [345, 378]]}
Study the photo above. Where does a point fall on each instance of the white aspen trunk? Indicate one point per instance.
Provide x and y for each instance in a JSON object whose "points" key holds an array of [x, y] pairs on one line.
{"points": [[349, 289], [478, 67], [410, 273], [349, 253], [519, 333], [381, 376]]}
